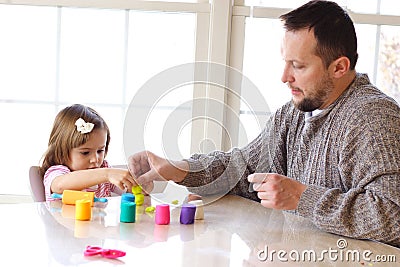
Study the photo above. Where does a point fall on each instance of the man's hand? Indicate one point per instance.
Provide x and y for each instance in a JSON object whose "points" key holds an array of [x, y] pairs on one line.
{"points": [[277, 191], [147, 167]]}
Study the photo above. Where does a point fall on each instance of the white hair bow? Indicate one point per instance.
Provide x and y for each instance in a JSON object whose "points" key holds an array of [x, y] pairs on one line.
{"points": [[83, 127]]}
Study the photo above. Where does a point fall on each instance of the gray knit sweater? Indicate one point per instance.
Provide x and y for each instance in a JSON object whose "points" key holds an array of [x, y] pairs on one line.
{"points": [[348, 155]]}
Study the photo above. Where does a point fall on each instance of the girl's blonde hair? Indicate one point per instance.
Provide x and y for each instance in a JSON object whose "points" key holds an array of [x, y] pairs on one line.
{"points": [[64, 136]]}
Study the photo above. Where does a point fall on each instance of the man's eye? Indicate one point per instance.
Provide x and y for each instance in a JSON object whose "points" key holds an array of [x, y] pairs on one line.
{"points": [[297, 66]]}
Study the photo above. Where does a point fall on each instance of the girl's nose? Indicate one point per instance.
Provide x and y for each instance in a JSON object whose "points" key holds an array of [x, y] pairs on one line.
{"points": [[94, 158]]}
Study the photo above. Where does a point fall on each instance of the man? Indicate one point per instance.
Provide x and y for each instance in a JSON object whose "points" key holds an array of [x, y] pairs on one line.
{"points": [[332, 154]]}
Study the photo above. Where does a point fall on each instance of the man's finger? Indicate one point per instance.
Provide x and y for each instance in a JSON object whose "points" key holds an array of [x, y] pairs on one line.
{"points": [[257, 178], [254, 187], [146, 177]]}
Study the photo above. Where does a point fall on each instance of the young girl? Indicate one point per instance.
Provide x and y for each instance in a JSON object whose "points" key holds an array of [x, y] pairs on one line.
{"points": [[74, 159]]}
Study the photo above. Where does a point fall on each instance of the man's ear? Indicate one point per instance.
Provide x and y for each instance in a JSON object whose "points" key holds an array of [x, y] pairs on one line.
{"points": [[340, 67]]}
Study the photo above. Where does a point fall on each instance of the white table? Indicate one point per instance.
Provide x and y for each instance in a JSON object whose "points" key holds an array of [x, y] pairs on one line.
{"points": [[234, 232]]}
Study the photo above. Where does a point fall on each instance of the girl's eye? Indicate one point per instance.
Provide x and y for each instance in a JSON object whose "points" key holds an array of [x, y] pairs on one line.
{"points": [[100, 151], [85, 153]]}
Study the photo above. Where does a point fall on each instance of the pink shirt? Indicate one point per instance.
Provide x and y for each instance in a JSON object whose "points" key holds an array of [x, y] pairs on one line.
{"points": [[101, 190]]}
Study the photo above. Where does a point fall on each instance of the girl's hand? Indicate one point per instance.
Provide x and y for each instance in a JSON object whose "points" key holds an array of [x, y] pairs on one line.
{"points": [[121, 178]]}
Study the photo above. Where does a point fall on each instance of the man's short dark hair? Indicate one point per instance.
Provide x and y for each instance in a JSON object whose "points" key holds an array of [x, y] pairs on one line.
{"points": [[332, 26]]}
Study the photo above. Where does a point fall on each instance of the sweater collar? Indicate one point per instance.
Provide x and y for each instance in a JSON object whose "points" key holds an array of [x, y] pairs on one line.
{"points": [[359, 79]]}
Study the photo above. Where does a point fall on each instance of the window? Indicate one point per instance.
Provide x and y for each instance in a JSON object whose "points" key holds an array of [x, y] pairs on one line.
{"points": [[378, 47], [262, 63], [102, 53], [56, 56]]}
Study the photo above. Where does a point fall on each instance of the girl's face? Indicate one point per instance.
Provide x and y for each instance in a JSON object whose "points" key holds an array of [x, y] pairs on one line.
{"points": [[91, 154]]}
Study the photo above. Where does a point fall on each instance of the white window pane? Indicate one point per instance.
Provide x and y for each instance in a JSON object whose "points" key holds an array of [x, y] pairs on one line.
{"points": [[92, 55], [157, 41], [159, 138], [22, 142], [366, 35], [390, 7], [167, 124], [386, 7], [27, 52], [274, 3], [114, 117], [250, 127], [181, 1], [389, 61], [370, 6], [263, 63]]}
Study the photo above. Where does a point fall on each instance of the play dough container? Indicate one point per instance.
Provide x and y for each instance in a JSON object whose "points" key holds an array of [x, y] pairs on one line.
{"points": [[69, 197]]}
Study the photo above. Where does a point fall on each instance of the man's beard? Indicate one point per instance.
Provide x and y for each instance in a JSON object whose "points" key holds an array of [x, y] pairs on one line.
{"points": [[314, 101]]}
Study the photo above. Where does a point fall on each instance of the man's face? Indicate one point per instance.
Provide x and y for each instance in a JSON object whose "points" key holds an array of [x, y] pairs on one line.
{"points": [[304, 71]]}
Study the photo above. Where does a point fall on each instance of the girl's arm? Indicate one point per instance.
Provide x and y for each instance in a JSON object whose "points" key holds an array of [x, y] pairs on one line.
{"points": [[82, 179]]}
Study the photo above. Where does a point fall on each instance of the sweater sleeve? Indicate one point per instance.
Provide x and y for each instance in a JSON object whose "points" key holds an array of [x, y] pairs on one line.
{"points": [[369, 166], [218, 172]]}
